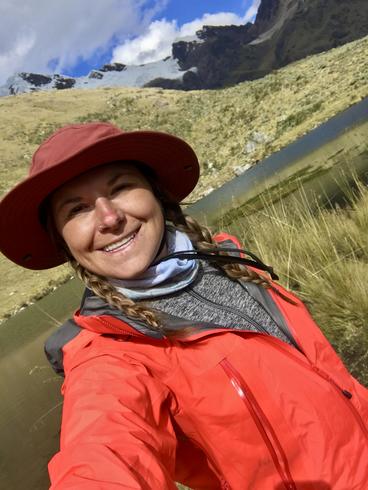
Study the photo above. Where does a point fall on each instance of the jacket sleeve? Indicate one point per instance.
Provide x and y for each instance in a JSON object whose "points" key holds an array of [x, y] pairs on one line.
{"points": [[116, 429]]}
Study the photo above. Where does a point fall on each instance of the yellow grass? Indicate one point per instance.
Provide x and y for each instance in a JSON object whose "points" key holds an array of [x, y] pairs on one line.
{"points": [[322, 255]]}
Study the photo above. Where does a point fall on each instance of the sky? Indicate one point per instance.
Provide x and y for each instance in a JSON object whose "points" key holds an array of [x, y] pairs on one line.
{"points": [[72, 37]]}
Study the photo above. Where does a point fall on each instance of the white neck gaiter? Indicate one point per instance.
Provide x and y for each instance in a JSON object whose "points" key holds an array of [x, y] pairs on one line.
{"points": [[164, 278]]}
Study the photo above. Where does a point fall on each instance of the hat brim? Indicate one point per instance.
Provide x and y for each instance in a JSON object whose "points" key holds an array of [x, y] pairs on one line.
{"points": [[22, 237]]}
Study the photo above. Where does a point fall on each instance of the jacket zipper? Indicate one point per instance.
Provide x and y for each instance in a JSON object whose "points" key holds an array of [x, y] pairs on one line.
{"points": [[264, 427], [342, 392], [345, 393], [119, 330], [245, 317]]}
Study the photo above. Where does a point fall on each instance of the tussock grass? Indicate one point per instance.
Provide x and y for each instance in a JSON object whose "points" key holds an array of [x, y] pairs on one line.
{"points": [[321, 255]]}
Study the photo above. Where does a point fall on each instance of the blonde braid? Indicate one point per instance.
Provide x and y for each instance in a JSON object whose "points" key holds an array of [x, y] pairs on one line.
{"points": [[101, 286], [202, 239], [106, 291]]}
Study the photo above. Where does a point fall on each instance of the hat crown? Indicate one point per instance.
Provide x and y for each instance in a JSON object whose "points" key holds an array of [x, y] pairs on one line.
{"points": [[69, 141]]}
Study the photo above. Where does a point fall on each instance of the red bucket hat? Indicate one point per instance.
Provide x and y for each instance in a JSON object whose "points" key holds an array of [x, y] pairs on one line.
{"points": [[69, 152]]}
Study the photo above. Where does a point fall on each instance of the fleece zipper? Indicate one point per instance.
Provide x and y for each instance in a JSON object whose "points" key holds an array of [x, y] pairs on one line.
{"points": [[231, 310], [266, 302]]}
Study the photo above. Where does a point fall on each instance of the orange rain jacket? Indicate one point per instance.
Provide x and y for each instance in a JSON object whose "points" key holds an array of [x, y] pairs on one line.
{"points": [[217, 409]]}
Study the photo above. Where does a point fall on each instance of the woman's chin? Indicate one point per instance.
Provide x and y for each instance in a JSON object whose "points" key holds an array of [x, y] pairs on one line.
{"points": [[127, 272]]}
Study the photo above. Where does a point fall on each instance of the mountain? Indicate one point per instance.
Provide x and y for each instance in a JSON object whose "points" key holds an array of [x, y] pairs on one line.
{"points": [[284, 31], [110, 75]]}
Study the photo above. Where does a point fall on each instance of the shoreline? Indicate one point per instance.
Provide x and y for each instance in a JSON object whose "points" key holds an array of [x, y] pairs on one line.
{"points": [[39, 295]]}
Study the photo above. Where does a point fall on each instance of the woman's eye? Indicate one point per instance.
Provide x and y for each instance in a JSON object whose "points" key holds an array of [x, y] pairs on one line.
{"points": [[76, 210]]}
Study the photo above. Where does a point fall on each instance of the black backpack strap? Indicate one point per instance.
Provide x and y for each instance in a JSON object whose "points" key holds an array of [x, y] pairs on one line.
{"points": [[215, 256]]}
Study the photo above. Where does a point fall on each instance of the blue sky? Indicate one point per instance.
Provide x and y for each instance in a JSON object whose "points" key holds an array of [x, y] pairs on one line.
{"points": [[74, 36], [187, 10]]}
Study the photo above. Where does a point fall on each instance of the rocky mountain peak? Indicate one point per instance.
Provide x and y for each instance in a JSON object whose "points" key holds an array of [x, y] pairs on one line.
{"points": [[284, 31], [267, 14]]}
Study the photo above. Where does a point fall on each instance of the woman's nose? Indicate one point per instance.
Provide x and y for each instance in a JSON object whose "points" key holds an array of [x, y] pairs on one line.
{"points": [[107, 214]]}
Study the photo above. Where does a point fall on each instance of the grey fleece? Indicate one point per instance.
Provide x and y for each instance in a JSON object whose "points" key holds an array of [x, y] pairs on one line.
{"points": [[213, 297]]}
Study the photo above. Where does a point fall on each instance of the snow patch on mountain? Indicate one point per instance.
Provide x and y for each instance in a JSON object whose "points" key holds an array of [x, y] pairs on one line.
{"points": [[132, 76], [119, 76]]}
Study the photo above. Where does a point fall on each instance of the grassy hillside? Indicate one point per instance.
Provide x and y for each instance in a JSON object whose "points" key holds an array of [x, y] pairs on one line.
{"points": [[227, 128]]}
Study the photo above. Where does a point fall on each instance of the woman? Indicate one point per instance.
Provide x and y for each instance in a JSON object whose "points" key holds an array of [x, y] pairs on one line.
{"points": [[185, 361]]}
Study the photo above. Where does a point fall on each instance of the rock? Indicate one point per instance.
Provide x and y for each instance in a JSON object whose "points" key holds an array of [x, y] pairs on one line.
{"points": [[113, 67], [189, 81], [95, 74], [208, 191], [241, 169], [35, 78], [250, 147], [257, 138], [165, 83], [61, 82]]}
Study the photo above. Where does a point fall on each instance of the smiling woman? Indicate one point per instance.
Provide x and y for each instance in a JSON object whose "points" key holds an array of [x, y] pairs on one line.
{"points": [[186, 361], [110, 219]]}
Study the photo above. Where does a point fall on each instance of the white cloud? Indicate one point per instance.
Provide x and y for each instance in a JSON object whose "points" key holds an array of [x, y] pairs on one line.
{"points": [[9, 62], [155, 43], [34, 33]]}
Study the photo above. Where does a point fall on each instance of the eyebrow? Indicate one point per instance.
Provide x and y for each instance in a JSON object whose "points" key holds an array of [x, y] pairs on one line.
{"points": [[114, 178]]}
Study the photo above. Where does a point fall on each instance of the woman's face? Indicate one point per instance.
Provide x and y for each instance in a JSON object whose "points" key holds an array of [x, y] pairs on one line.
{"points": [[110, 220]]}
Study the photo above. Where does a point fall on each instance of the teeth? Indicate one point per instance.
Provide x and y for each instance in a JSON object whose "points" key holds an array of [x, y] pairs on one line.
{"points": [[114, 246]]}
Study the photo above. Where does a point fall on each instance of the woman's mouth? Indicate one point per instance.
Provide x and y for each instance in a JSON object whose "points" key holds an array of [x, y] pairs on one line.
{"points": [[120, 244]]}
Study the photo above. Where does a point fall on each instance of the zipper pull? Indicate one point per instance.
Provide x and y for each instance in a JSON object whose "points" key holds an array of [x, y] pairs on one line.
{"points": [[290, 486], [328, 378], [347, 393], [224, 484]]}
